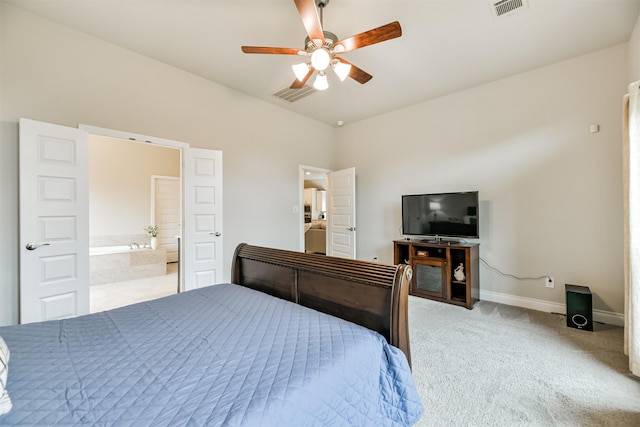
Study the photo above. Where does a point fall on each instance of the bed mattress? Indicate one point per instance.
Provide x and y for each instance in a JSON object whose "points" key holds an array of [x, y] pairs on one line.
{"points": [[221, 355]]}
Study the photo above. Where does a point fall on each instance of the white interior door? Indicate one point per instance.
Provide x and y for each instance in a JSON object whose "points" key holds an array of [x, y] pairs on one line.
{"points": [[202, 255], [54, 221], [341, 213], [166, 213]]}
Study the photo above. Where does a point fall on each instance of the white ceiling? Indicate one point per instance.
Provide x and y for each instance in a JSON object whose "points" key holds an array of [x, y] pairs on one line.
{"points": [[446, 46]]}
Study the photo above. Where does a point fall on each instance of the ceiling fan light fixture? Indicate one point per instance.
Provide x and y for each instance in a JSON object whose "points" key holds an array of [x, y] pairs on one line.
{"points": [[300, 70], [320, 59], [342, 70], [322, 47], [321, 82]]}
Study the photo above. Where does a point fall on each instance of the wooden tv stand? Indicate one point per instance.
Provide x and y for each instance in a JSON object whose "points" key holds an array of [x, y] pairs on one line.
{"points": [[433, 270]]}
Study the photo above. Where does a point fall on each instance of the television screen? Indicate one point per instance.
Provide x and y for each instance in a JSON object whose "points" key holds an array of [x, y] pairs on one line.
{"points": [[441, 214]]}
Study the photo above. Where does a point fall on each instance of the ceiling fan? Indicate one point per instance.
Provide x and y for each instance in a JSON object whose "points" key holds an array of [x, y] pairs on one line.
{"points": [[323, 48]]}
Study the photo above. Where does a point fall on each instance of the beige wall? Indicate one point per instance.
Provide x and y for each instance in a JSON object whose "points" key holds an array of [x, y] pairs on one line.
{"points": [[551, 192], [634, 53], [54, 74], [551, 195], [120, 183]]}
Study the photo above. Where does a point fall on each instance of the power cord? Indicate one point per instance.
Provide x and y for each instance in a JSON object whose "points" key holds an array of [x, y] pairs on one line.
{"points": [[463, 241], [511, 275]]}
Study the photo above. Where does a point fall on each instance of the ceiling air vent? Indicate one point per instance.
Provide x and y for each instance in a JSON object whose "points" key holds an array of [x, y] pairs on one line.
{"points": [[293, 95], [504, 8]]}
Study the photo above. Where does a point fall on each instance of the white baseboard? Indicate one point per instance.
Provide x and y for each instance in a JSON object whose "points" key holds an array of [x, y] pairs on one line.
{"points": [[608, 317]]}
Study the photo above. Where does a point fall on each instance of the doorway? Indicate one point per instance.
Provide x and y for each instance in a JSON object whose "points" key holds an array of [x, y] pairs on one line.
{"points": [[314, 182], [200, 244], [340, 214], [132, 186]]}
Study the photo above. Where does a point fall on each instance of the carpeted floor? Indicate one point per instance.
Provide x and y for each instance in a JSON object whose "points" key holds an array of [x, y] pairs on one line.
{"points": [[498, 365]]}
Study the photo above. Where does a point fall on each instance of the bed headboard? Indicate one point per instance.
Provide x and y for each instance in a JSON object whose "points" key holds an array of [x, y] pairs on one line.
{"points": [[370, 294]]}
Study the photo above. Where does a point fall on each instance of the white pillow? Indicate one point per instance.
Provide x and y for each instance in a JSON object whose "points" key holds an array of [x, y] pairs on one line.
{"points": [[5, 402]]}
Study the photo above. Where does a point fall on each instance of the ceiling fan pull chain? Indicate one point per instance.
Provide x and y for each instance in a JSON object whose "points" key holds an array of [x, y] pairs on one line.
{"points": [[321, 4]]}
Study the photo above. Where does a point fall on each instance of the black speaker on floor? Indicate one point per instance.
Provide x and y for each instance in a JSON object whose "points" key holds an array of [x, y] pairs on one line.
{"points": [[579, 307]]}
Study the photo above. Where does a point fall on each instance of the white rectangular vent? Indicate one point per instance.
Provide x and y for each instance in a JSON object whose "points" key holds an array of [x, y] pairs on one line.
{"points": [[505, 8], [293, 95]]}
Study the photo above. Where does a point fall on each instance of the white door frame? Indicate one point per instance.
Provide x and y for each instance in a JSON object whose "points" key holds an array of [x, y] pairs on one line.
{"points": [[94, 130]]}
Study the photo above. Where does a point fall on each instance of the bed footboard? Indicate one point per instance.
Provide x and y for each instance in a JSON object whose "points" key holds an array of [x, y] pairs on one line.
{"points": [[370, 294]]}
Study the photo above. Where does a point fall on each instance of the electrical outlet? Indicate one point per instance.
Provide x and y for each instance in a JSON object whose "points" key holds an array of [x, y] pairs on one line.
{"points": [[549, 282]]}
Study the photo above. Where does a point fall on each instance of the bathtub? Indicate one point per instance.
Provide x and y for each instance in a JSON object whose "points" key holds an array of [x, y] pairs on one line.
{"points": [[106, 250], [108, 264]]}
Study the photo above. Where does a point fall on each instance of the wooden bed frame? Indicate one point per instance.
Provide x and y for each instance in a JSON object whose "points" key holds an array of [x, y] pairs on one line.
{"points": [[370, 294]]}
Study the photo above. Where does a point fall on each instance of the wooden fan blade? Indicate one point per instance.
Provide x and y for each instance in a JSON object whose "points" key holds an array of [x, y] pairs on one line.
{"points": [[297, 84], [356, 73], [376, 35], [273, 50], [310, 19]]}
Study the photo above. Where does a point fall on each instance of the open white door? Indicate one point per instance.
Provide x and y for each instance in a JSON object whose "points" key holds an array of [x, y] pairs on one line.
{"points": [[202, 255], [54, 222], [342, 213]]}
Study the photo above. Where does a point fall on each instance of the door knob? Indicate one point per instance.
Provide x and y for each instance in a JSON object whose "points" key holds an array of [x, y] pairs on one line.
{"points": [[351, 228], [32, 246], [217, 234]]}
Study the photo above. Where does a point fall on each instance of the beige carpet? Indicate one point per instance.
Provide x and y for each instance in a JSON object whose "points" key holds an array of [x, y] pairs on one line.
{"points": [[498, 365]]}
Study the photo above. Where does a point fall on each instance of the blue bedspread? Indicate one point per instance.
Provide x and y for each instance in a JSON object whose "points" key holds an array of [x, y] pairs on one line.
{"points": [[220, 356]]}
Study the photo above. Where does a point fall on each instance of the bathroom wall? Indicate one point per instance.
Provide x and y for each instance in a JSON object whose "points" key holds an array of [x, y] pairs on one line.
{"points": [[120, 185]]}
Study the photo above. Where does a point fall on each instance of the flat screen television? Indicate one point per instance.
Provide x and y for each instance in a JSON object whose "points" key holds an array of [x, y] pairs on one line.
{"points": [[441, 215]]}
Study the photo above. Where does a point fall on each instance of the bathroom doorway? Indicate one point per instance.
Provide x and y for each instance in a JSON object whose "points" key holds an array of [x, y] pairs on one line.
{"points": [[132, 185]]}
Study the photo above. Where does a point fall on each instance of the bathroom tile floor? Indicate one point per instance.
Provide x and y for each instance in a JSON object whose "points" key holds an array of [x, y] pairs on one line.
{"points": [[112, 295]]}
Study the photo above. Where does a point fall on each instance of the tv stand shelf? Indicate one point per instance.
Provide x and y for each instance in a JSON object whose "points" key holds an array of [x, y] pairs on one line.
{"points": [[434, 265]]}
